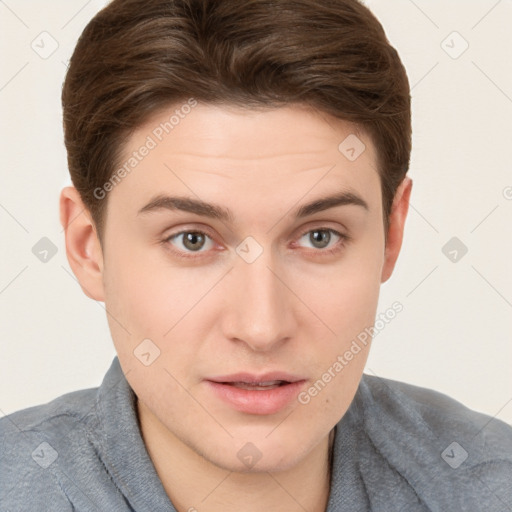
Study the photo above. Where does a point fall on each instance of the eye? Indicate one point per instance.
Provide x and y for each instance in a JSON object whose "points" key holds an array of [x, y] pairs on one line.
{"points": [[192, 241], [187, 242], [320, 238]]}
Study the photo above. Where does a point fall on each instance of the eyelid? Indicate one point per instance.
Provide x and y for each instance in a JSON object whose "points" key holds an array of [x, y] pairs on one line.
{"points": [[198, 228], [323, 225]]}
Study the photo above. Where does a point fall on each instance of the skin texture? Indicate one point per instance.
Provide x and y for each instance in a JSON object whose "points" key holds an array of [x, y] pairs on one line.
{"points": [[295, 308]]}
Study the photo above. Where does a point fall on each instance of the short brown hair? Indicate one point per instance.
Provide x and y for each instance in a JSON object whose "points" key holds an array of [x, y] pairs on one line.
{"points": [[136, 57]]}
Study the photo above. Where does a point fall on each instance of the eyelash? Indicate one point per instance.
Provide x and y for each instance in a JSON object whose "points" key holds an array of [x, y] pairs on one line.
{"points": [[344, 239]]}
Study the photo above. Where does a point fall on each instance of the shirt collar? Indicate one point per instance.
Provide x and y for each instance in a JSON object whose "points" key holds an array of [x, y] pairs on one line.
{"points": [[124, 452]]}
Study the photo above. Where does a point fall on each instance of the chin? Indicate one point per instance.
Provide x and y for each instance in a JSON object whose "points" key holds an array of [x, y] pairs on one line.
{"points": [[269, 464], [257, 456]]}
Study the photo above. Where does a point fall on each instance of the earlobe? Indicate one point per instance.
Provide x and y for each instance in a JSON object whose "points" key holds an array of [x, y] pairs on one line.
{"points": [[396, 227], [83, 248]]}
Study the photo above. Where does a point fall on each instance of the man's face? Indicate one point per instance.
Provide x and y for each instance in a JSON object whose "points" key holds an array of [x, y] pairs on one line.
{"points": [[263, 291]]}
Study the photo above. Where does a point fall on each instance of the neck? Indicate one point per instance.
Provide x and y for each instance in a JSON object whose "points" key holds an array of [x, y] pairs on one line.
{"points": [[194, 484]]}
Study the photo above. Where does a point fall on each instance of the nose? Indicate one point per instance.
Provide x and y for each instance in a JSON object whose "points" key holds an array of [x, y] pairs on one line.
{"points": [[260, 309]]}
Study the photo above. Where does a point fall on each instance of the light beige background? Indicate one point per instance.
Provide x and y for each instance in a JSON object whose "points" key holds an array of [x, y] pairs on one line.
{"points": [[455, 332]]}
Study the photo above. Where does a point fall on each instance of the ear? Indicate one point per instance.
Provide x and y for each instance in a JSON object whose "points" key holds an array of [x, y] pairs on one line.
{"points": [[396, 227], [83, 248]]}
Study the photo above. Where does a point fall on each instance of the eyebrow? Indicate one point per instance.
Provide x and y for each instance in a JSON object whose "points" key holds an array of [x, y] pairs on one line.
{"points": [[214, 211]]}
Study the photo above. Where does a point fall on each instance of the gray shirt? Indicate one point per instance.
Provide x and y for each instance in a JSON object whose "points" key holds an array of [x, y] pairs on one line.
{"points": [[398, 448]]}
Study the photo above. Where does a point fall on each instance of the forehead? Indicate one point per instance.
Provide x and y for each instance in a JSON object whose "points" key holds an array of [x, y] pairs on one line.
{"points": [[243, 133], [235, 153]]}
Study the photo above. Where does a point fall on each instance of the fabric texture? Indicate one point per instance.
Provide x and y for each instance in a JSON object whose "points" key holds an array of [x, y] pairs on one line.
{"points": [[398, 448]]}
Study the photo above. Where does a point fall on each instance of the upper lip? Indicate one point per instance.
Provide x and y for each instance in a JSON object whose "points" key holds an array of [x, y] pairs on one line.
{"points": [[252, 378]]}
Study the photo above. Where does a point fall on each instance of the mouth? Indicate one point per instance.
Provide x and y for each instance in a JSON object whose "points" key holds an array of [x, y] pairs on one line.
{"points": [[258, 386], [261, 395], [274, 378]]}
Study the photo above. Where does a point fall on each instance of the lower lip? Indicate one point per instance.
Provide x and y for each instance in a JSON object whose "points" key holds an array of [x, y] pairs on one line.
{"points": [[257, 402]]}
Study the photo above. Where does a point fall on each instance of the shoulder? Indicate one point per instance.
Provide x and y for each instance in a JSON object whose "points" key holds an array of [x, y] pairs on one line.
{"points": [[32, 439], [448, 453], [437, 411], [67, 407], [62, 415]]}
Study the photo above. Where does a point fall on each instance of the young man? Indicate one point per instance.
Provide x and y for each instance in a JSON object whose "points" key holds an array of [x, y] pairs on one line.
{"points": [[240, 193]]}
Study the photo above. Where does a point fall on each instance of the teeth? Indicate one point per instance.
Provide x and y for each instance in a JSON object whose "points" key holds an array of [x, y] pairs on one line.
{"points": [[257, 386]]}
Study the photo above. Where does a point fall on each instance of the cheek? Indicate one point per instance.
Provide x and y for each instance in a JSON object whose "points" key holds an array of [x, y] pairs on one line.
{"points": [[346, 299], [145, 291], [359, 284], [338, 361], [148, 298], [147, 305], [134, 300], [345, 295]]}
